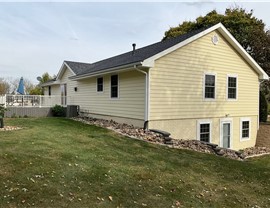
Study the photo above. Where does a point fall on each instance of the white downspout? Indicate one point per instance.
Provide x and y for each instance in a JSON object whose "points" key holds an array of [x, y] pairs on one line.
{"points": [[147, 95]]}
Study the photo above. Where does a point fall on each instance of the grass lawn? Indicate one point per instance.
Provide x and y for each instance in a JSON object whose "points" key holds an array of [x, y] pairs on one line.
{"points": [[55, 162]]}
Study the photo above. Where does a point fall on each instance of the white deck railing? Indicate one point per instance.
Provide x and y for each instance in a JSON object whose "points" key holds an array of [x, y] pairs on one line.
{"points": [[33, 100]]}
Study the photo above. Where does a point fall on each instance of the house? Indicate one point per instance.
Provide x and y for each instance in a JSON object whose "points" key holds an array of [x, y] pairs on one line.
{"points": [[201, 85]]}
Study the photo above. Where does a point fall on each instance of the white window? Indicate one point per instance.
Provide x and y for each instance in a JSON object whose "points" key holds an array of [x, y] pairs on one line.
{"points": [[114, 86], [204, 130], [209, 86], [245, 126], [232, 85], [100, 84]]}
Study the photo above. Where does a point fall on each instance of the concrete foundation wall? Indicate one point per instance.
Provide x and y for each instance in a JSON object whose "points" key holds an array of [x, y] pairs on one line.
{"points": [[29, 112], [135, 122]]}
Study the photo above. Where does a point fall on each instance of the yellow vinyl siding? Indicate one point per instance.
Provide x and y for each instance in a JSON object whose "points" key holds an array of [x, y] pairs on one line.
{"points": [[131, 101], [55, 90], [177, 82], [177, 91]]}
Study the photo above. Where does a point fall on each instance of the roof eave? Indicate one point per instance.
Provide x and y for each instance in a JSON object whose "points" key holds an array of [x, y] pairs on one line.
{"points": [[106, 71], [61, 71], [149, 62], [243, 53], [50, 83]]}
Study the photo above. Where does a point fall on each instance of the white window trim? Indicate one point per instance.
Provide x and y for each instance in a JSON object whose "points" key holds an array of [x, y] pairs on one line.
{"points": [[118, 88], [199, 122], [102, 85], [241, 126], [214, 74], [227, 87], [222, 121]]}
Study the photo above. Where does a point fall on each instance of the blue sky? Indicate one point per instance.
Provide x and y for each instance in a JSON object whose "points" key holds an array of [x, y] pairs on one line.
{"points": [[37, 37]]}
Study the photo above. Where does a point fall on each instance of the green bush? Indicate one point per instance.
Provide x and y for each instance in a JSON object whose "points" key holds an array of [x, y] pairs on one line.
{"points": [[263, 108], [58, 111]]}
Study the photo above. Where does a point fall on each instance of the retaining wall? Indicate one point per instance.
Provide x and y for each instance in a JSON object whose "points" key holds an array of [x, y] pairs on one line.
{"points": [[29, 112]]}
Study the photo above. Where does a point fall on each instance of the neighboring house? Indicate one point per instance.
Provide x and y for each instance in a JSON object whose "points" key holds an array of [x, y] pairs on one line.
{"points": [[202, 85]]}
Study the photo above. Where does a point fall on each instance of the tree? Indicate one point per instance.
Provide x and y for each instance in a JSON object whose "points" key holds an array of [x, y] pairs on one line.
{"points": [[263, 108], [248, 31], [37, 90], [4, 86]]}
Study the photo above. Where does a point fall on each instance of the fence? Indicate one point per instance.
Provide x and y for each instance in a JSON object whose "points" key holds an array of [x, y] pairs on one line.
{"points": [[33, 100]]}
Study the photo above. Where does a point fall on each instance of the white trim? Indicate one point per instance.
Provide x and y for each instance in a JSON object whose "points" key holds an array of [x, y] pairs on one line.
{"points": [[227, 87], [112, 70], [147, 92], [213, 74], [118, 87], [46, 84], [224, 121], [241, 123], [97, 85], [61, 71], [226, 34], [204, 121]]}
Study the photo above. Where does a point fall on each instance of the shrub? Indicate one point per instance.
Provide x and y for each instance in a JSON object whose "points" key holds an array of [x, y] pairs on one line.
{"points": [[2, 114], [58, 111], [263, 108]]}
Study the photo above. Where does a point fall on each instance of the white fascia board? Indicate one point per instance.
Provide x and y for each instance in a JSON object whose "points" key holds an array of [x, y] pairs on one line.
{"points": [[50, 84], [228, 36], [149, 62], [61, 71], [107, 71]]}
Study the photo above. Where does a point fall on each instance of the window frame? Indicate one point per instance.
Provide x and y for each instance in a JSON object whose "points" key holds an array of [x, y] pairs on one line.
{"points": [[215, 91], [113, 98], [199, 122], [227, 87], [241, 129], [98, 85]]}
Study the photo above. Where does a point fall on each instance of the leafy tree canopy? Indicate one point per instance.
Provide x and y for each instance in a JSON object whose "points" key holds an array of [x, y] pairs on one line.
{"points": [[248, 30]]}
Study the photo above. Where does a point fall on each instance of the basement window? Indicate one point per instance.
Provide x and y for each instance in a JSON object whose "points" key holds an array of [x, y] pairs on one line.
{"points": [[204, 131], [245, 129]]}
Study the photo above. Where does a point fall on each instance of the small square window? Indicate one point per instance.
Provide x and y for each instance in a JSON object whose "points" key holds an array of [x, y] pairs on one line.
{"points": [[245, 129], [204, 131]]}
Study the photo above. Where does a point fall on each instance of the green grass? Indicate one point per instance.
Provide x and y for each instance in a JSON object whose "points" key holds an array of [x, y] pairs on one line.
{"points": [[55, 162]]}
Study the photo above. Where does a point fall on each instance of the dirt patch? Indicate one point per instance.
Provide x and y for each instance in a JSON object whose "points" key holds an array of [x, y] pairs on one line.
{"points": [[263, 135]]}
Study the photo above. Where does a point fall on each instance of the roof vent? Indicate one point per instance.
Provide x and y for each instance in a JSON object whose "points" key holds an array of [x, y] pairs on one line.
{"points": [[134, 48]]}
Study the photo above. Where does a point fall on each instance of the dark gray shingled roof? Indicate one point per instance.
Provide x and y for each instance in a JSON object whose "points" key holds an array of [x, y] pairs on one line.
{"points": [[129, 58]]}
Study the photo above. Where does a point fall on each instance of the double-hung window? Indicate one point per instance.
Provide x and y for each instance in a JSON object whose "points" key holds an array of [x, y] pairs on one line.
{"points": [[114, 86], [204, 131], [100, 84], [245, 125], [231, 87], [209, 86]]}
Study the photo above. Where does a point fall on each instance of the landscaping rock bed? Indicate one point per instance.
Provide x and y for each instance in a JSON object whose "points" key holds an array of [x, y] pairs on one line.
{"points": [[9, 128], [153, 137]]}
